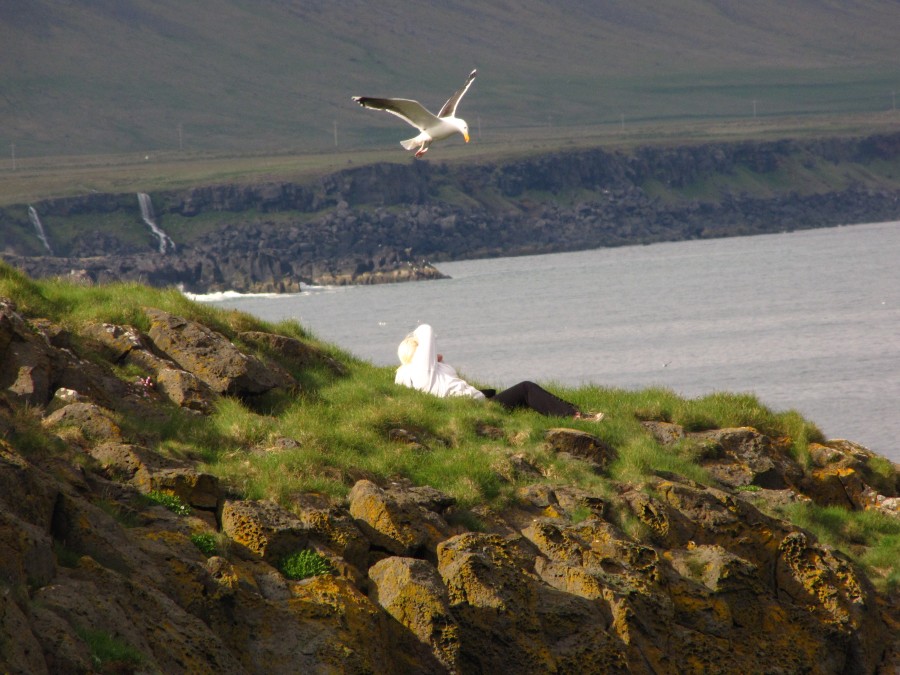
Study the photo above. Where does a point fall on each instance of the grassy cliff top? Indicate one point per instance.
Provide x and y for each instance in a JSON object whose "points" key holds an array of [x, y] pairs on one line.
{"points": [[343, 424]]}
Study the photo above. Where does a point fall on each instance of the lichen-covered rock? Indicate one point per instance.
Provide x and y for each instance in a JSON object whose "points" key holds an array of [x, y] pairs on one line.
{"points": [[265, 528], [665, 433], [119, 341], [197, 489], [334, 529], [412, 592], [300, 353], [836, 595], [87, 422], [843, 475], [184, 389], [37, 360], [126, 463], [128, 345], [210, 356], [26, 491], [403, 522], [26, 554], [743, 456], [582, 445], [26, 363], [161, 634], [496, 605]]}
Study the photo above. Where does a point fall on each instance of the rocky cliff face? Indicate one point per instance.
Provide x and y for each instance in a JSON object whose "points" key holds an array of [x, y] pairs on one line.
{"points": [[550, 585], [387, 222]]}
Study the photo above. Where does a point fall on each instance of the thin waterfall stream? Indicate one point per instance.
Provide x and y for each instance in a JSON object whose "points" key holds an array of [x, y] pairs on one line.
{"points": [[39, 228], [165, 241]]}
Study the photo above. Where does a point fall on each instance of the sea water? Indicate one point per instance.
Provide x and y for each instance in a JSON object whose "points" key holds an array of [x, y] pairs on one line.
{"points": [[808, 321]]}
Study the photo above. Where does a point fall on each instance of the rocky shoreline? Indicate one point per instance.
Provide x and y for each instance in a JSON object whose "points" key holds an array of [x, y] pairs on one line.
{"points": [[549, 585], [392, 222]]}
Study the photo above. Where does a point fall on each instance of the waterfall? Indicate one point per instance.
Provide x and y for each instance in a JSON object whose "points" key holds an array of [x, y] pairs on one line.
{"points": [[39, 228], [149, 218]]}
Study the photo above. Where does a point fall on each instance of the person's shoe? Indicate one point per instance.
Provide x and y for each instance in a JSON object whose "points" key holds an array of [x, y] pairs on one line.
{"points": [[590, 417]]}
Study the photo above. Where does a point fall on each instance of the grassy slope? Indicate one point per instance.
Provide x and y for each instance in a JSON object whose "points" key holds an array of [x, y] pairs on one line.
{"points": [[340, 427], [109, 77]]}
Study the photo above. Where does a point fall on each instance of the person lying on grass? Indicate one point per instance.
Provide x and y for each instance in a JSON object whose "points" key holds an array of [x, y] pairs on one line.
{"points": [[424, 369]]}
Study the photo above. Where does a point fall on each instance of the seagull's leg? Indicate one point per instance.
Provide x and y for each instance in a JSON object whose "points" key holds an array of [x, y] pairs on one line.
{"points": [[422, 149]]}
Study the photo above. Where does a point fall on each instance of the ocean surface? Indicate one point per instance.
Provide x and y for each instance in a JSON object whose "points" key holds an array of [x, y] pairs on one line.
{"points": [[807, 320]]}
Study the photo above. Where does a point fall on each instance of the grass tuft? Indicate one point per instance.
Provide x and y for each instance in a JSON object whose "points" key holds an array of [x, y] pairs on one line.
{"points": [[170, 501], [206, 543], [109, 653], [305, 564]]}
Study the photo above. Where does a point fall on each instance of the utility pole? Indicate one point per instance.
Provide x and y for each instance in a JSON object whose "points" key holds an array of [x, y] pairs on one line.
{"points": [[13, 150], [180, 138], [335, 134]]}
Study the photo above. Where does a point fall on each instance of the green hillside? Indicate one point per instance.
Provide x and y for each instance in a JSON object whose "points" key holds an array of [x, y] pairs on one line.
{"points": [[109, 76]]}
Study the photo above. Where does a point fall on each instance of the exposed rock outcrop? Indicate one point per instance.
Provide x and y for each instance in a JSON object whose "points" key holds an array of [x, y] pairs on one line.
{"points": [[550, 585], [390, 222]]}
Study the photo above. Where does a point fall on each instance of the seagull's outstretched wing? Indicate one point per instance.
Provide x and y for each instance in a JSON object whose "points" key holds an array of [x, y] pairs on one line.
{"points": [[412, 111], [449, 109]]}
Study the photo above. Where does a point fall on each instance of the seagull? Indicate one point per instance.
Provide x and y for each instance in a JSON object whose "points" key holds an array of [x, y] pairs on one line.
{"points": [[431, 127]]}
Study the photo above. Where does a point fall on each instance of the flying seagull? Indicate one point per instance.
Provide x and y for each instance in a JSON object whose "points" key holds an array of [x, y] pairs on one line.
{"points": [[431, 127]]}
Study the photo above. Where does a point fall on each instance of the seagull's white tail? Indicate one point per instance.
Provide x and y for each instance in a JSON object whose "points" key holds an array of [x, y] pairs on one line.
{"points": [[411, 144]]}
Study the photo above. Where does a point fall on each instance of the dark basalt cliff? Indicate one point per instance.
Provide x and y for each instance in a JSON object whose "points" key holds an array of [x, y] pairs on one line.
{"points": [[385, 222]]}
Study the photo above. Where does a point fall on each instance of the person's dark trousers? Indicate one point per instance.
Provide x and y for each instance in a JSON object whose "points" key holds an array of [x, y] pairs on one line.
{"points": [[530, 395]]}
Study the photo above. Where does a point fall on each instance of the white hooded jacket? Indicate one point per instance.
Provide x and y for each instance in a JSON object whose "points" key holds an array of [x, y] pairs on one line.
{"points": [[425, 373]]}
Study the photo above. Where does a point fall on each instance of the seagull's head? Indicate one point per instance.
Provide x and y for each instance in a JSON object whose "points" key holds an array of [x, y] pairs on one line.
{"points": [[460, 125]]}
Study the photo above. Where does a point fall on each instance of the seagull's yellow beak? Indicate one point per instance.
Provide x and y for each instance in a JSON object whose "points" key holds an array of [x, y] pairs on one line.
{"points": [[466, 136]]}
